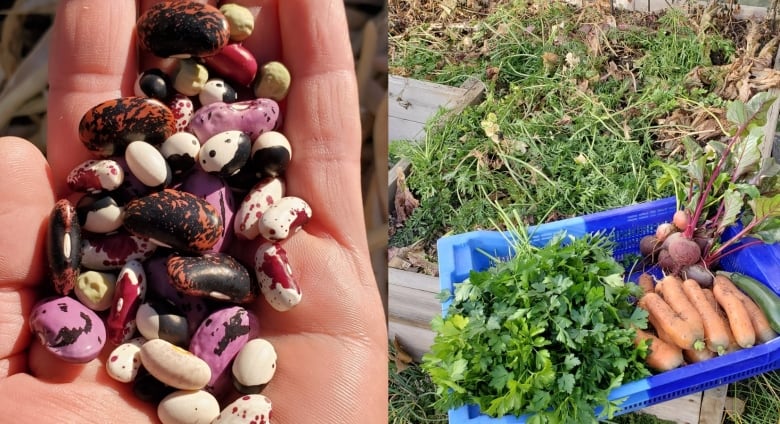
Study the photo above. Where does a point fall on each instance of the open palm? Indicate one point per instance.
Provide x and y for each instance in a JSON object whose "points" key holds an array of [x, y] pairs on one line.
{"points": [[331, 347]]}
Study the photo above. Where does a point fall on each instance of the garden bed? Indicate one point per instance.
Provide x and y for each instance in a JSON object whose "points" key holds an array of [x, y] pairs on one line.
{"points": [[644, 101]]}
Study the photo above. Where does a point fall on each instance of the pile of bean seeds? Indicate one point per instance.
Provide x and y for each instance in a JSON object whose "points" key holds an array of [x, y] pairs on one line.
{"points": [[145, 259]]}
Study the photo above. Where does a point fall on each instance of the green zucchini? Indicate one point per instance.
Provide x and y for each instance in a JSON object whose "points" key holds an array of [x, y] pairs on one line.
{"points": [[765, 298]]}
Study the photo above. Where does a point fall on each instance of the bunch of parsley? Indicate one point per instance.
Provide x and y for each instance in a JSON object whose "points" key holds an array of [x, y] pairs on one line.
{"points": [[546, 333]]}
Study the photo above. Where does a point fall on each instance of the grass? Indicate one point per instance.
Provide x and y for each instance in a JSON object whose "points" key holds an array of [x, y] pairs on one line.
{"points": [[762, 399], [570, 125], [569, 119], [411, 395]]}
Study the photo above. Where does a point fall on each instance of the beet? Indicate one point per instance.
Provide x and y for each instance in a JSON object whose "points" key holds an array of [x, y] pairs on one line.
{"points": [[664, 230], [684, 251], [649, 245], [665, 260], [699, 273], [681, 219], [665, 244]]}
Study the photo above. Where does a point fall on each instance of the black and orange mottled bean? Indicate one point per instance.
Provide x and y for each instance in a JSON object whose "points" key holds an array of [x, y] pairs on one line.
{"points": [[63, 246], [109, 127], [215, 275], [175, 219], [183, 29]]}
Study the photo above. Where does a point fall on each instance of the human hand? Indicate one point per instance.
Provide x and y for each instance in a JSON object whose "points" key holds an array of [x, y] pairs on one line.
{"points": [[331, 347]]}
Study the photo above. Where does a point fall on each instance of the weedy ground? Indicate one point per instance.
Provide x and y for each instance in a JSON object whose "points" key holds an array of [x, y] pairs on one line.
{"points": [[579, 105]]}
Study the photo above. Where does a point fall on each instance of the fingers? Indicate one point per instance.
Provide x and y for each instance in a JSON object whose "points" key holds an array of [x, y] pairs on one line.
{"points": [[34, 401], [27, 201], [322, 121], [93, 59]]}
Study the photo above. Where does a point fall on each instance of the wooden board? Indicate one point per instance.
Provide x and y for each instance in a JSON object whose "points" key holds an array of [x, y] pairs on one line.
{"points": [[412, 304], [743, 12], [411, 105]]}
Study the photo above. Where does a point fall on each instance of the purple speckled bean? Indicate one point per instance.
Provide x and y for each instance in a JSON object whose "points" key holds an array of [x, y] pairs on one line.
{"points": [[215, 191], [129, 294], [253, 117], [68, 329], [219, 339]]}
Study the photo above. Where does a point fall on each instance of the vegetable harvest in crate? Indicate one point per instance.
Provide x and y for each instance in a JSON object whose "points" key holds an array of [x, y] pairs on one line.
{"points": [[728, 199], [550, 333]]}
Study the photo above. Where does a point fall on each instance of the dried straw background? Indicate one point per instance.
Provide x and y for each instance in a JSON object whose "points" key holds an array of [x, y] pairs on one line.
{"points": [[24, 49]]}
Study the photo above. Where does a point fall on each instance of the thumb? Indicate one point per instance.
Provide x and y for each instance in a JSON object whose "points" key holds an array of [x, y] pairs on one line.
{"points": [[27, 199]]}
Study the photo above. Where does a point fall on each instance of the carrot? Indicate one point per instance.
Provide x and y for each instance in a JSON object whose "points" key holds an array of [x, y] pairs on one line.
{"points": [[674, 295], [715, 327], [662, 356], [646, 282], [694, 356], [711, 298], [761, 326], [733, 346], [679, 331], [739, 319]]}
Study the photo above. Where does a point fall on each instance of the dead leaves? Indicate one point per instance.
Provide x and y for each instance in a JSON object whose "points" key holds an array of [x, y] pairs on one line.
{"points": [[404, 201], [399, 356], [411, 258], [750, 73]]}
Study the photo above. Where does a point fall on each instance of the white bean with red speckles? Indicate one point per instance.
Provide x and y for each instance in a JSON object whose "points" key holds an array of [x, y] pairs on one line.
{"points": [[125, 360], [183, 109], [93, 176], [275, 276], [245, 410], [284, 218], [260, 197]]}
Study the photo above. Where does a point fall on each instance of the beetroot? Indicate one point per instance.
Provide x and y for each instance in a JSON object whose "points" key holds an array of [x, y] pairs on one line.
{"points": [[665, 260], [684, 251], [698, 273], [664, 230], [649, 245], [681, 219]]}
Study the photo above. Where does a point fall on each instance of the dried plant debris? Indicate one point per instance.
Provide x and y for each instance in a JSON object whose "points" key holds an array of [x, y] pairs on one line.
{"points": [[24, 45], [585, 97], [404, 202]]}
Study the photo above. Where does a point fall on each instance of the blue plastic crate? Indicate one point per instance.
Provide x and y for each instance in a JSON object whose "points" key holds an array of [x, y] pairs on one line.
{"points": [[462, 253]]}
